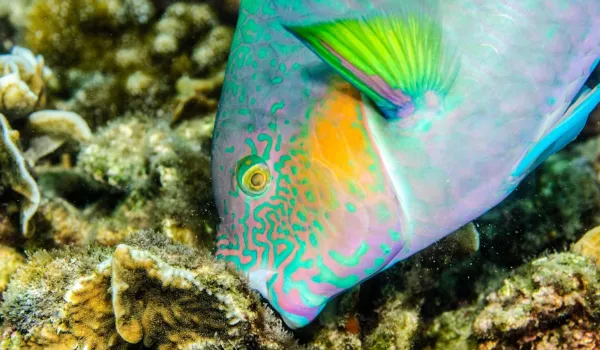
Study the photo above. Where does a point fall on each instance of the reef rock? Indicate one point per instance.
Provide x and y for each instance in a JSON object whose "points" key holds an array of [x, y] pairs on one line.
{"points": [[551, 303]]}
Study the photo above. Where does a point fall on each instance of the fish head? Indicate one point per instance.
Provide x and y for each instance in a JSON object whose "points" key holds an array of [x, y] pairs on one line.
{"points": [[307, 210]]}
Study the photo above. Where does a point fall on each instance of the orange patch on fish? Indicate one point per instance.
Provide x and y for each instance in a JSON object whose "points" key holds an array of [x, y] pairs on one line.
{"points": [[338, 138]]}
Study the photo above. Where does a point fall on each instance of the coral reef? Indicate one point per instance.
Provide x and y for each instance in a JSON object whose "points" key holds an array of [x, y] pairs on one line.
{"points": [[108, 109], [15, 175], [451, 330], [552, 302], [397, 325], [10, 261], [126, 55], [22, 81], [146, 290], [589, 245], [554, 298], [156, 175]]}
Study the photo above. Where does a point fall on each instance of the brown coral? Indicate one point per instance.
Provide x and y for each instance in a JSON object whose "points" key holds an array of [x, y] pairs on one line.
{"points": [[554, 298], [59, 301], [147, 290], [22, 80]]}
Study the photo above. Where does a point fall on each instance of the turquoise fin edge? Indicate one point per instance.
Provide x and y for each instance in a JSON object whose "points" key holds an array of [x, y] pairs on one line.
{"points": [[563, 133]]}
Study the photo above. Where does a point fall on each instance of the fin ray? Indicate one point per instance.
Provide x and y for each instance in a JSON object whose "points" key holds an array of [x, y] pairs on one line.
{"points": [[393, 57]]}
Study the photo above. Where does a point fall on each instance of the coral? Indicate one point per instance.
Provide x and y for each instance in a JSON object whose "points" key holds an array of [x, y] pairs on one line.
{"points": [[14, 11], [96, 96], [452, 330], [60, 300], [399, 321], [110, 160], [22, 80], [158, 167], [338, 326], [553, 298], [181, 21], [589, 245], [10, 261], [146, 290], [213, 49], [8, 229], [55, 28], [121, 56], [336, 339], [63, 223], [16, 176], [195, 95], [62, 124]]}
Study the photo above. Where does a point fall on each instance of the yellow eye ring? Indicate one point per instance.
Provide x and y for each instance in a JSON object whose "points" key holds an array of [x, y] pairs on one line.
{"points": [[253, 175]]}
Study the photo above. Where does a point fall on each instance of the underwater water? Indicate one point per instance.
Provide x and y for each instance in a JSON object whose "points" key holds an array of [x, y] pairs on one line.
{"points": [[299, 174]]}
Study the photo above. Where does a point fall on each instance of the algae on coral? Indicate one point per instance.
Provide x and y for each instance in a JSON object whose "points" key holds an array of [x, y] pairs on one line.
{"points": [[147, 290]]}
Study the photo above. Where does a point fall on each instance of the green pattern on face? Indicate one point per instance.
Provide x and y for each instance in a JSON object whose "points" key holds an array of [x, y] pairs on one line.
{"points": [[351, 260]]}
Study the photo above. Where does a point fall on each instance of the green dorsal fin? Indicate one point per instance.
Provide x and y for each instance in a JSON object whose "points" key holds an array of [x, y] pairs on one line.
{"points": [[393, 57]]}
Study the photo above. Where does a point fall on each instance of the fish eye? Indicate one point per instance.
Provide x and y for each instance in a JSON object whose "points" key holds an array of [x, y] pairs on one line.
{"points": [[253, 175]]}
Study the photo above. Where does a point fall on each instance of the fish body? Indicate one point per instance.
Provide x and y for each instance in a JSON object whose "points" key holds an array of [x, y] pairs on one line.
{"points": [[352, 134]]}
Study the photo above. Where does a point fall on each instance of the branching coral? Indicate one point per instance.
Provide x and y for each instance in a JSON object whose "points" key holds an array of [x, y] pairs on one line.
{"points": [[137, 47], [147, 290], [181, 21]]}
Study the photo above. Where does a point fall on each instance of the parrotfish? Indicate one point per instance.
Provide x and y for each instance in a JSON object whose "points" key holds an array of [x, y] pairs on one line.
{"points": [[352, 134]]}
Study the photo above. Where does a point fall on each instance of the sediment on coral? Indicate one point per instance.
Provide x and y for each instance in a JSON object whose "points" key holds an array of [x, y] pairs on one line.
{"points": [[147, 290]]}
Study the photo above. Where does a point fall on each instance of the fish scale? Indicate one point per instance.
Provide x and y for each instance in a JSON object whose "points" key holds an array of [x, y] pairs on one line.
{"points": [[367, 161]]}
